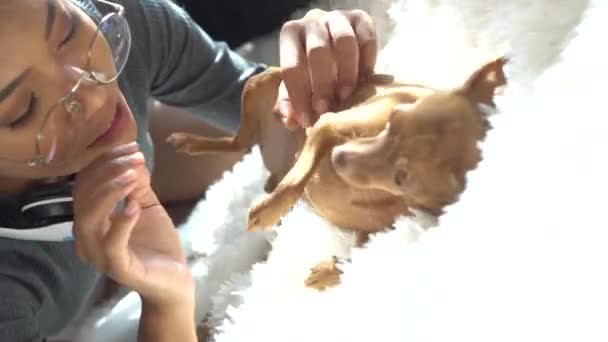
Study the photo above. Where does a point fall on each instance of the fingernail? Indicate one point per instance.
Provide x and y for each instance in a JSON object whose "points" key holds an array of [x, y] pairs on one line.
{"points": [[126, 177], [321, 106], [345, 92], [136, 159], [131, 209], [126, 148], [132, 146]]}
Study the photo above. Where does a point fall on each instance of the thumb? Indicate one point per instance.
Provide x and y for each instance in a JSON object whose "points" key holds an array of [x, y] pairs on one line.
{"points": [[283, 107]]}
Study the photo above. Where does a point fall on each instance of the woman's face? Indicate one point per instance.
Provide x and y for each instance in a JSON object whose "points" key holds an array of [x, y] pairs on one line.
{"points": [[43, 46]]}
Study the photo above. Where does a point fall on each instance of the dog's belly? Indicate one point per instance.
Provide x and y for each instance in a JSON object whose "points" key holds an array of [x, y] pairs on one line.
{"points": [[348, 207]]}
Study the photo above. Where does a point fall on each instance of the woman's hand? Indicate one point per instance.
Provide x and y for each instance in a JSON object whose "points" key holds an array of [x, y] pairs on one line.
{"points": [[137, 246], [323, 56]]}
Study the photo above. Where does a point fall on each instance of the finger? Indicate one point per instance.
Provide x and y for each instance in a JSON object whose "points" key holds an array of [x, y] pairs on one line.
{"points": [[114, 153], [116, 244], [321, 65], [110, 193], [295, 71], [89, 177], [363, 25], [285, 109], [87, 197], [92, 221], [345, 51], [89, 229], [143, 188], [87, 182]]}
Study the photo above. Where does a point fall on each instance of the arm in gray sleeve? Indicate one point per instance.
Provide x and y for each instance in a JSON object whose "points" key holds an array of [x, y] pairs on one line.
{"points": [[43, 286], [189, 69]]}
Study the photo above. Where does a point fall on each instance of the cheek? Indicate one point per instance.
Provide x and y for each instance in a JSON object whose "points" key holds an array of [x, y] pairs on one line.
{"points": [[17, 145], [128, 135]]}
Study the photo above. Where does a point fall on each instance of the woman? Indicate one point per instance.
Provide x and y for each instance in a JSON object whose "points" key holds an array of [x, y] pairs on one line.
{"points": [[74, 80]]}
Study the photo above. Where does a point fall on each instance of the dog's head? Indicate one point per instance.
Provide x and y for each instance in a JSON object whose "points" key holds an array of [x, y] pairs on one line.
{"points": [[428, 146]]}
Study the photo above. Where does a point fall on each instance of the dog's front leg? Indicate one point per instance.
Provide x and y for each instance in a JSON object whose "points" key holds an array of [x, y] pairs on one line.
{"points": [[321, 138]]}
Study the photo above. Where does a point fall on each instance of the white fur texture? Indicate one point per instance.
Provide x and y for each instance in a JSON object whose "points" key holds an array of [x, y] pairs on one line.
{"points": [[521, 257]]}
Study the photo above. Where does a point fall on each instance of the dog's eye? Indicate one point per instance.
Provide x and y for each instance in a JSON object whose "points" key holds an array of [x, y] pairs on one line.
{"points": [[400, 177]]}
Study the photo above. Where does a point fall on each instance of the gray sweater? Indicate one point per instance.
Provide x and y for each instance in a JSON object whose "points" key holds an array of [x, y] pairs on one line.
{"points": [[43, 284]]}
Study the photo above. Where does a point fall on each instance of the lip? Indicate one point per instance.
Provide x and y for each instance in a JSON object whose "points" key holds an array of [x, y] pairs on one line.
{"points": [[114, 131]]}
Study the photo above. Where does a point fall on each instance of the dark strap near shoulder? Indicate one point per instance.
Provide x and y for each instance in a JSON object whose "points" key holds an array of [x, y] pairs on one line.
{"points": [[45, 205]]}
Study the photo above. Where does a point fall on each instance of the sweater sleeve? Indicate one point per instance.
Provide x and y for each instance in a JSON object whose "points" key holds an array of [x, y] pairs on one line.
{"points": [[188, 69], [43, 286]]}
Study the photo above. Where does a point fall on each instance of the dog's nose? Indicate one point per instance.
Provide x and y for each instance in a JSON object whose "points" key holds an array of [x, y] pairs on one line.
{"points": [[339, 158]]}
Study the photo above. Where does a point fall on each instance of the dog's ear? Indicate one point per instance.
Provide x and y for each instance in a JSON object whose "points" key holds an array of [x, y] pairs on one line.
{"points": [[481, 85]]}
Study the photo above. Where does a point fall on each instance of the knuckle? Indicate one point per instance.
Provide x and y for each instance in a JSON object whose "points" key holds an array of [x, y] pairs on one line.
{"points": [[358, 14], [314, 14], [291, 71], [345, 43], [291, 26], [369, 39], [317, 50]]}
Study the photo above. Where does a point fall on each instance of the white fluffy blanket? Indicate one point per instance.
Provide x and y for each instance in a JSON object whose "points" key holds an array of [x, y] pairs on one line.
{"points": [[518, 258]]}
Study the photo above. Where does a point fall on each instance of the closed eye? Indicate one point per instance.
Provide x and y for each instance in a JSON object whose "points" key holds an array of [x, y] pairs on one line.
{"points": [[400, 177], [74, 23], [25, 118]]}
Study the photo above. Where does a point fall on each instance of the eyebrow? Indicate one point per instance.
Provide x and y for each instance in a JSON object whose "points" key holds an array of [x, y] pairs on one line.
{"points": [[51, 18]]}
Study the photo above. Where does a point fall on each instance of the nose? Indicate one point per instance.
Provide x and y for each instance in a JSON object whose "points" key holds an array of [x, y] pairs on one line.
{"points": [[339, 158], [353, 163], [88, 94]]}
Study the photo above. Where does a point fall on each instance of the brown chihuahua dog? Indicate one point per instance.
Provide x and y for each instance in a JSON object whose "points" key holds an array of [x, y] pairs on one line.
{"points": [[389, 148]]}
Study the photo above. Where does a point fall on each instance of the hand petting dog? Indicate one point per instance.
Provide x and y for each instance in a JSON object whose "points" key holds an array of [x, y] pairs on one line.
{"points": [[323, 56]]}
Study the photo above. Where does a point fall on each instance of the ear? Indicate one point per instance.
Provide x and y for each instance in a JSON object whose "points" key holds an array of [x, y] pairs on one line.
{"points": [[481, 85], [400, 114]]}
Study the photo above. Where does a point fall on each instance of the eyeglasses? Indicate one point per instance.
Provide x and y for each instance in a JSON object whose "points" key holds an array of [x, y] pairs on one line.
{"points": [[58, 138]]}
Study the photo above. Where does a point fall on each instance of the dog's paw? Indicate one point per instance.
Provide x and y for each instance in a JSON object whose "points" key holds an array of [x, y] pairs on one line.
{"points": [[268, 211], [324, 275], [183, 142]]}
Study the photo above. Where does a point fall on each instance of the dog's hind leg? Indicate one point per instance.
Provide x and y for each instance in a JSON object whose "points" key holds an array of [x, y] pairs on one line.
{"points": [[257, 103]]}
